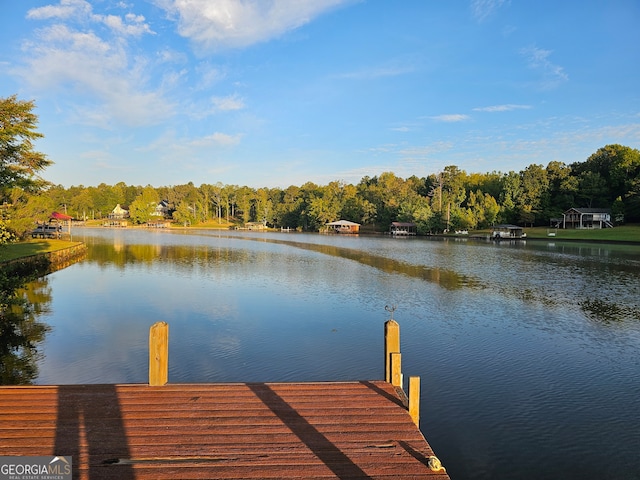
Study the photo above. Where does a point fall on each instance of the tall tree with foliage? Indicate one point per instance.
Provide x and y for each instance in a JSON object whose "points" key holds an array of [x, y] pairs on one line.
{"points": [[20, 163], [563, 187], [142, 208]]}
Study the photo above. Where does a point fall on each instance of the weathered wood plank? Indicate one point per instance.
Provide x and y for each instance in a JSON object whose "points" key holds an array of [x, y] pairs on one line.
{"points": [[303, 430]]}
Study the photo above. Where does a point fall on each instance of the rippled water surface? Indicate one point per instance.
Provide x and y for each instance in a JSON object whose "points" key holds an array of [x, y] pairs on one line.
{"points": [[528, 353]]}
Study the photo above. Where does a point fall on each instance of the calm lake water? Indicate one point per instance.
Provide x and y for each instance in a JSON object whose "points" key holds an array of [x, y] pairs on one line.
{"points": [[528, 352]]}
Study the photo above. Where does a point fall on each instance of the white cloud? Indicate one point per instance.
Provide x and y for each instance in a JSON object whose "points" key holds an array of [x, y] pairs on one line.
{"points": [[232, 23], [87, 65], [502, 108], [231, 102], [217, 138], [66, 9], [73, 54], [483, 9], [133, 25], [538, 59], [81, 10], [167, 55], [208, 75], [451, 118], [215, 105]]}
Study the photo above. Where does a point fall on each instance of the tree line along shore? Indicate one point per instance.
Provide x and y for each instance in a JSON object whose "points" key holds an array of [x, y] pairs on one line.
{"points": [[449, 200]]}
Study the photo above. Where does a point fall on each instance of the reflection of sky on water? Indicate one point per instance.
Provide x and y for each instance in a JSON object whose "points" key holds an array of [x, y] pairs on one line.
{"points": [[511, 361], [225, 307]]}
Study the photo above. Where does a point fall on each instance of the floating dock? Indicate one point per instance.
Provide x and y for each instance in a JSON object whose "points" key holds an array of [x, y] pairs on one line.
{"points": [[346, 430]]}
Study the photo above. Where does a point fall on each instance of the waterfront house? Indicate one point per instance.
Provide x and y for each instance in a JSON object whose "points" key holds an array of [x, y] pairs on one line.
{"points": [[587, 218], [118, 213], [161, 209], [343, 226]]}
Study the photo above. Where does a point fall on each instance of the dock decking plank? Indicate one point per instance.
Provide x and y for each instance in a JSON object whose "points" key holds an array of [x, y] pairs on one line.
{"points": [[226, 431]]}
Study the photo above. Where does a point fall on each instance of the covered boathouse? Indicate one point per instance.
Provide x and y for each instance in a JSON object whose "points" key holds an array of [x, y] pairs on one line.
{"points": [[343, 226]]}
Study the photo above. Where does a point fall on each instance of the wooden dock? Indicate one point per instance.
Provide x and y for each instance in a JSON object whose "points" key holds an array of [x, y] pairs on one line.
{"points": [[346, 430]]}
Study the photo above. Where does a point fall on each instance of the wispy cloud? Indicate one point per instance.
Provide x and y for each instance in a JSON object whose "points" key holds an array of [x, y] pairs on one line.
{"points": [[81, 10], [217, 139], [538, 60], [66, 9], [76, 54], [451, 118], [214, 105], [231, 102], [377, 72], [483, 9], [82, 62], [213, 26], [502, 108]]}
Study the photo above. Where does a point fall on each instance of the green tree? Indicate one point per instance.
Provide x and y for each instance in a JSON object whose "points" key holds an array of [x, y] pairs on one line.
{"points": [[535, 191], [27, 209], [184, 213], [509, 197], [105, 198], [417, 211], [483, 209], [142, 208], [263, 206], [563, 187], [20, 163], [289, 207], [617, 210], [244, 201], [617, 166], [454, 181], [592, 189]]}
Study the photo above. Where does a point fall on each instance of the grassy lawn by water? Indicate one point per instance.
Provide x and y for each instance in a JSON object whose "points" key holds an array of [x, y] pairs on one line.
{"points": [[623, 233], [33, 247]]}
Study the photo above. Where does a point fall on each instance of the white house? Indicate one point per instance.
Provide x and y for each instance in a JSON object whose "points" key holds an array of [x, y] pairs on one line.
{"points": [[119, 213]]}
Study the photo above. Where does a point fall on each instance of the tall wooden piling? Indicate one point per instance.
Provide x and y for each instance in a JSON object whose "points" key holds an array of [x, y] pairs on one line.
{"points": [[391, 345], [414, 399], [159, 354]]}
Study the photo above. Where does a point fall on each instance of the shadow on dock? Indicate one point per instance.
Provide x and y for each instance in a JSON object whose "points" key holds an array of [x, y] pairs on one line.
{"points": [[90, 428], [324, 449]]}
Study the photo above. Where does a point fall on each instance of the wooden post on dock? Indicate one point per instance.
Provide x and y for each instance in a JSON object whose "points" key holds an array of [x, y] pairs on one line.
{"points": [[159, 354], [396, 369], [414, 399], [391, 345]]}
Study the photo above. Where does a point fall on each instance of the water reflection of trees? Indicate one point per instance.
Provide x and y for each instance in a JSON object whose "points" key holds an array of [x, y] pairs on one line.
{"points": [[21, 332], [185, 256]]}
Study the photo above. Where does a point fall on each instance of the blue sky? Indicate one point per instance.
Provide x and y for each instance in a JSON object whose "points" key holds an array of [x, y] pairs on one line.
{"points": [[280, 92]]}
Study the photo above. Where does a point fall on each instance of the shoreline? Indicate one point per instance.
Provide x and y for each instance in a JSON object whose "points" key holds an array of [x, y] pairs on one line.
{"points": [[481, 235], [49, 261]]}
